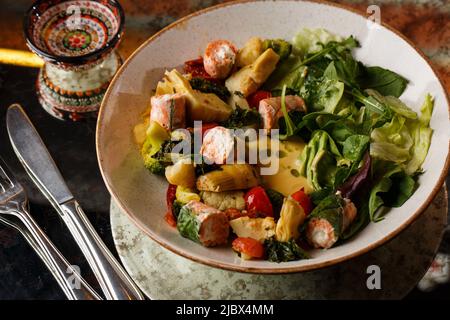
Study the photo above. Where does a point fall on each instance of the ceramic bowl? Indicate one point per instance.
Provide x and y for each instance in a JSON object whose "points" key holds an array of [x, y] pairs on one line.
{"points": [[69, 32], [142, 195], [76, 39]]}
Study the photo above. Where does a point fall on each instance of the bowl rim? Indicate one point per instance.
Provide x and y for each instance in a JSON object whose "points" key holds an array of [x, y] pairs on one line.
{"points": [[293, 269], [93, 55]]}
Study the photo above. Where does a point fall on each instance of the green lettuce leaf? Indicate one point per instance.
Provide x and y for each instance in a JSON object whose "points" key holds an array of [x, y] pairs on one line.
{"points": [[320, 159], [421, 133], [394, 104], [309, 41], [392, 141]]}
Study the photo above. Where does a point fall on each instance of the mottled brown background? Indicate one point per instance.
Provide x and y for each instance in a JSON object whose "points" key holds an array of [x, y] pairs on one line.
{"points": [[425, 22]]}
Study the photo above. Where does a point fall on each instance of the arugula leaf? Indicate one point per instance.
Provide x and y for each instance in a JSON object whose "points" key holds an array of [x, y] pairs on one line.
{"points": [[290, 127], [386, 82]]}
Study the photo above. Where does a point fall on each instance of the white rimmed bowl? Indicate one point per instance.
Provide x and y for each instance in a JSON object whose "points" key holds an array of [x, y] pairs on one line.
{"points": [[142, 195]]}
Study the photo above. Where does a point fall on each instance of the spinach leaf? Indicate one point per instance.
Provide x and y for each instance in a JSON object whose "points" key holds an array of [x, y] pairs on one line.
{"points": [[392, 188], [277, 251], [207, 86], [355, 146], [361, 221], [403, 187], [276, 199], [176, 208], [188, 225], [386, 82], [318, 195], [323, 94], [241, 117], [320, 159]]}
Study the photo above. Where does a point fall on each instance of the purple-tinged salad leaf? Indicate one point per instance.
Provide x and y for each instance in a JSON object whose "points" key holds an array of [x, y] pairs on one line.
{"points": [[355, 182]]}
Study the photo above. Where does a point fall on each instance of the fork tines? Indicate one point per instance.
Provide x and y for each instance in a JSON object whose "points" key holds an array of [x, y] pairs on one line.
{"points": [[6, 177]]}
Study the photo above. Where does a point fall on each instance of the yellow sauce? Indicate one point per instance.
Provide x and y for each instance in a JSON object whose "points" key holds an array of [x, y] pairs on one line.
{"points": [[288, 180]]}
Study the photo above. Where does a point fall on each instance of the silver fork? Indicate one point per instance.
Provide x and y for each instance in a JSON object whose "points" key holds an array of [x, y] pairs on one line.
{"points": [[14, 213]]}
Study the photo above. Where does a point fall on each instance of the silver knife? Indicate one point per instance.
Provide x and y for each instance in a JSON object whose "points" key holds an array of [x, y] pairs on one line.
{"points": [[31, 151]]}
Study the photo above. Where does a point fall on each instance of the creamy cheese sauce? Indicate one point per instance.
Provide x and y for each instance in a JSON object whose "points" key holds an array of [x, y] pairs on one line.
{"points": [[288, 180]]}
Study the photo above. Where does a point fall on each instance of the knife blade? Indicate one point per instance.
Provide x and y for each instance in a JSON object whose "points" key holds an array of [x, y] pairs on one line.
{"points": [[34, 156], [38, 163]]}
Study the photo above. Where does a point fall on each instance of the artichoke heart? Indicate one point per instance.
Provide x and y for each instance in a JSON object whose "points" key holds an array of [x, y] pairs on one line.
{"points": [[229, 177], [201, 106], [292, 216]]}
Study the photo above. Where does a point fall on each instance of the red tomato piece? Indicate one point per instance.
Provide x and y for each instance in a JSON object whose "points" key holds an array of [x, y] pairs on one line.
{"points": [[233, 213], [254, 99], [207, 126], [303, 199], [251, 247], [197, 70], [257, 202], [170, 198]]}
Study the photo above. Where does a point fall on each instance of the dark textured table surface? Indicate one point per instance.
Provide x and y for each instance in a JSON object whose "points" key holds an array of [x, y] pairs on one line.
{"points": [[22, 274]]}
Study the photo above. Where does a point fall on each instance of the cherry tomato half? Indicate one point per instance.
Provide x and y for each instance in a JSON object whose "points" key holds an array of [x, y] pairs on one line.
{"points": [[303, 199], [254, 99], [170, 198], [257, 202], [251, 247], [197, 70]]}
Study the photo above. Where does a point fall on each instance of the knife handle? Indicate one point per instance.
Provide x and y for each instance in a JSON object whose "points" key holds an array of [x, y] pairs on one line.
{"points": [[70, 281], [113, 280]]}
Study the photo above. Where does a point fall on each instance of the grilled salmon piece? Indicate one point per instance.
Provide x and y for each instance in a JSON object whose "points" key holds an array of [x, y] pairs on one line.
{"points": [[219, 58], [270, 109], [169, 110]]}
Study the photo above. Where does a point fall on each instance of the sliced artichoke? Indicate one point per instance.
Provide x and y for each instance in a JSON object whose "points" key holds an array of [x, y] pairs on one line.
{"points": [[292, 217], [229, 177]]}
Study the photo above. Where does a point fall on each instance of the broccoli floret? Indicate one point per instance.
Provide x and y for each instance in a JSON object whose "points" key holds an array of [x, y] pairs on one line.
{"points": [[242, 118], [207, 86], [280, 46], [157, 161], [154, 165]]}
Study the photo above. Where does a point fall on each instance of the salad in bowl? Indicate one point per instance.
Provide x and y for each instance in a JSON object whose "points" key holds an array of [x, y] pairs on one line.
{"points": [[279, 147]]}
